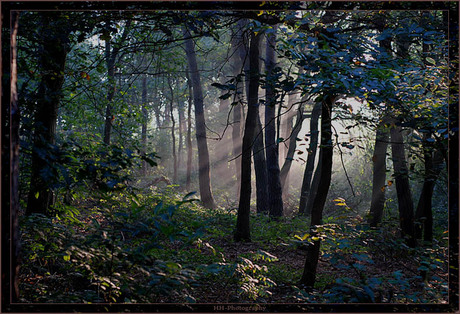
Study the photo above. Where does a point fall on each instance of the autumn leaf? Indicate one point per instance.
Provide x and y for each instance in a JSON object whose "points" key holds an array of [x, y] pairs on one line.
{"points": [[390, 183]]}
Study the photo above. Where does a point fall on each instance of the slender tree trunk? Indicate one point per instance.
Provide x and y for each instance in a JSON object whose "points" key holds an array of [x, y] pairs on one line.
{"points": [[242, 232], [273, 169], [260, 167], [308, 190], [145, 118], [379, 173], [180, 149], [423, 213], [173, 130], [203, 154], [189, 133], [403, 191], [325, 156], [52, 65], [291, 132], [284, 175], [236, 63], [110, 62], [15, 118]]}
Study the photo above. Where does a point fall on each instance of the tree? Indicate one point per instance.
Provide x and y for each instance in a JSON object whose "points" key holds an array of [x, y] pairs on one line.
{"points": [[379, 173], [203, 154], [306, 189], [54, 48], [273, 170], [325, 168], [111, 56], [242, 231]]}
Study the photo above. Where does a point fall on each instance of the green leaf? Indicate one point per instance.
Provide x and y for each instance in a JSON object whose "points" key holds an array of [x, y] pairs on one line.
{"points": [[430, 60]]}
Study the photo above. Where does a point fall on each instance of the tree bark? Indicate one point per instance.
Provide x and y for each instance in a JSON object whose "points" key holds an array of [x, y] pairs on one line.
{"points": [[52, 64], [15, 117], [260, 167], [379, 173], [189, 133], [308, 190], [273, 170], [236, 64], [111, 55], [423, 213], [203, 154], [325, 156], [284, 174], [242, 232], [291, 132], [173, 130], [145, 118], [403, 191]]}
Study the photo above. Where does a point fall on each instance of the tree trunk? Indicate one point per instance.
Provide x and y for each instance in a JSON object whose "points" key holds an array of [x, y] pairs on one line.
{"points": [[379, 173], [306, 190], [145, 119], [291, 132], [236, 64], [260, 167], [110, 57], [52, 64], [189, 133], [203, 154], [423, 213], [284, 175], [242, 232], [173, 130], [325, 157], [14, 119], [403, 191], [273, 169], [180, 149]]}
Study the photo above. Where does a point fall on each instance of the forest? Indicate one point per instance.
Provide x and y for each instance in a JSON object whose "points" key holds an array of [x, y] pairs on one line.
{"points": [[230, 157]]}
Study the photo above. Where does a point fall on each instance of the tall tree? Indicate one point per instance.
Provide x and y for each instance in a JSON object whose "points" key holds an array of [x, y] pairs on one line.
{"points": [[237, 108], [188, 179], [173, 128], [14, 120], [54, 46], [111, 55], [379, 172], [145, 119], [325, 164], [306, 195], [290, 131], [242, 231], [203, 154], [403, 191], [273, 169]]}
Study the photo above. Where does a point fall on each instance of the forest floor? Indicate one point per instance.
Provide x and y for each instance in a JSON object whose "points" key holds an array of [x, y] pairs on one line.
{"points": [[157, 246]]}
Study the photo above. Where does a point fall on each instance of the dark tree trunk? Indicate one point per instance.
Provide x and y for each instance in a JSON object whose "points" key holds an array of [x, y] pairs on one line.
{"points": [[15, 118], [145, 119], [273, 169], [188, 179], [284, 175], [180, 149], [242, 232], [173, 130], [110, 57], [203, 154], [287, 151], [52, 64], [307, 187], [260, 167], [325, 157], [403, 191], [423, 213], [379, 173], [236, 63]]}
